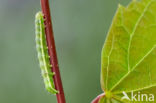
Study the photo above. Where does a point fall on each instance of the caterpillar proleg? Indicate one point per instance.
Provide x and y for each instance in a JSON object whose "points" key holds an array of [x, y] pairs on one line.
{"points": [[43, 55]]}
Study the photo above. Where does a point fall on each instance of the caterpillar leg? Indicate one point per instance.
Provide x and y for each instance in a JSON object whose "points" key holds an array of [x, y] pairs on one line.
{"points": [[52, 90], [45, 74]]}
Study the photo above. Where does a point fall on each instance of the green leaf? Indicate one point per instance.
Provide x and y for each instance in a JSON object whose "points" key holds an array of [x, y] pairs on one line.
{"points": [[129, 52]]}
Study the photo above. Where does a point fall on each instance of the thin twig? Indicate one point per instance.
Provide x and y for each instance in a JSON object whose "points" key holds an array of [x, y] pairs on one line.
{"points": [[52, 51]]}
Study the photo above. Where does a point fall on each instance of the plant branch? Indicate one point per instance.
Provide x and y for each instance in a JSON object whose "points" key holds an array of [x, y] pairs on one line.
{"points": [[52, 51]]}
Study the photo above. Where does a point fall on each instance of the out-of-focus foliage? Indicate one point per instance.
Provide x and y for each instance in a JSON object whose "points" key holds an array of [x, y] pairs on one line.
{"points": [[80, 27], [129, 53]]}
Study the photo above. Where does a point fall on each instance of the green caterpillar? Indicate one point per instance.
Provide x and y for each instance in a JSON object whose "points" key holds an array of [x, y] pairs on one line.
{"points": [[43, 55]]}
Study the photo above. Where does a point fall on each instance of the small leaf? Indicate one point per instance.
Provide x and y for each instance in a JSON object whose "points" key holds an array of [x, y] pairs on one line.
{"points": [[129, 53]]}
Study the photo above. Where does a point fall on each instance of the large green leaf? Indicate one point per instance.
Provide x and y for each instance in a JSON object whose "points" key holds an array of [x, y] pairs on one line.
{"points": [[129, 53]]}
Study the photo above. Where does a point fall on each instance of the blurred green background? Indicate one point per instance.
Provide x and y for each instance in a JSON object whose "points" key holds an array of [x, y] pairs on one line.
{"points": [[80, 28]]}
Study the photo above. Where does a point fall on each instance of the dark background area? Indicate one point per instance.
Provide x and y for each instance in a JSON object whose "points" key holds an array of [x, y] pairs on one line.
{"points": [[80, 28]]}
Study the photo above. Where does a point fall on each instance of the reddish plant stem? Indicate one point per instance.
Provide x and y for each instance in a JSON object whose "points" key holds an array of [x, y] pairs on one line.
{"points": [[52, 51], [96, 100]]}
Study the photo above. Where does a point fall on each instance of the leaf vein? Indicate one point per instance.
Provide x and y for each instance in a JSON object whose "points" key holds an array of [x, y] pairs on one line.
{"points": [[133, 32], [112, 45], [133, 68], [139, 89]]}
